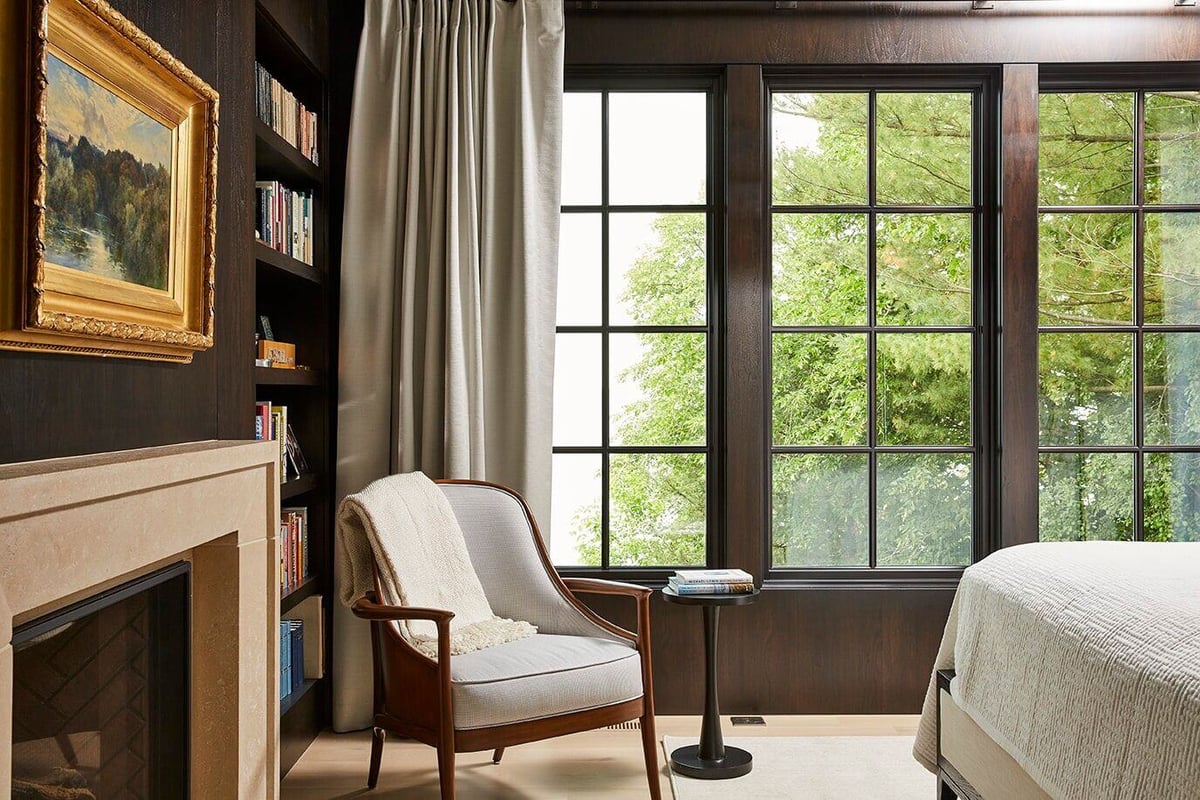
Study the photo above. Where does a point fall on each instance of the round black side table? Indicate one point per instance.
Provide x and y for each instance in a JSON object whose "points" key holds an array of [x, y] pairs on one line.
{"points": [[711, 759]]}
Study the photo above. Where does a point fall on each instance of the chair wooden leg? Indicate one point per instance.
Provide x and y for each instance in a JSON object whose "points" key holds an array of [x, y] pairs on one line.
{"points": [[446, 771], [499, 754], [377, 736], [650, 751], [944, 790]]}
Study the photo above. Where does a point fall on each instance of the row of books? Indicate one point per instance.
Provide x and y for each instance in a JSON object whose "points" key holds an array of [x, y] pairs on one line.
{"points": [[291, 656], [711, 581], [286, 115], [293, 548], [271, 424], [283, 220]]}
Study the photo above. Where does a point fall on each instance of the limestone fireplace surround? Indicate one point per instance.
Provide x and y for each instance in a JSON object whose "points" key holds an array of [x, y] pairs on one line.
{"points": [[72, 527]]}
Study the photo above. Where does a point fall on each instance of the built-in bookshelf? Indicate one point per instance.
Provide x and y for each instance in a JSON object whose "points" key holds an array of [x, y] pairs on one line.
{"points": [[296, 293]]}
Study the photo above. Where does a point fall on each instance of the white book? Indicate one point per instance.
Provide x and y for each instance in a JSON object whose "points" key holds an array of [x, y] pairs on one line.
{"points": [[712, 576]]}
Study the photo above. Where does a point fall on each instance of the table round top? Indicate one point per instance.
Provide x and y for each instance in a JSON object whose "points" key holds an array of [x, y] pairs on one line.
{"points": [[742, 599]]}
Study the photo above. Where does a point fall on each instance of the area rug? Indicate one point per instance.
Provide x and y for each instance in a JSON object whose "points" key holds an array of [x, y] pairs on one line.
{"points": [[814, 768]]}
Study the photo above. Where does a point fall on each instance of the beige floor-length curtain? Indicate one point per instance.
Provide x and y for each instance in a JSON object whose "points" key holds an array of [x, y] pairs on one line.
{"points": [[449, 261]]}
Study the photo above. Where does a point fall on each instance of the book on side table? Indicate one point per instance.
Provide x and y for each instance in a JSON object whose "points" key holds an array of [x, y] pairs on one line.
{"points": [[711, 581]]}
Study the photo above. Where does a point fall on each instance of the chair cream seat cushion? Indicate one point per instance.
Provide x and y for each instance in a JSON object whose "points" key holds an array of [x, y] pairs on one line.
{"points": [[541, 676]]}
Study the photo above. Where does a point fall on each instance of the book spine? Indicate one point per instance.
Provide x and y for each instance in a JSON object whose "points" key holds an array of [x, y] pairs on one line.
{"points": [[713, 588], [714, 579], [297, 653], [285, 653]]}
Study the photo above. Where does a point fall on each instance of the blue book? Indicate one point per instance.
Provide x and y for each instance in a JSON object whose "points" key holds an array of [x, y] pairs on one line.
{"points": [[285, 659]]}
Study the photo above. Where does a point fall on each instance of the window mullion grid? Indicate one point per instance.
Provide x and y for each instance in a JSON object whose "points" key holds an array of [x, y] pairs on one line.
{"points": [[872, 373], [605, 503], [1139, 316]]}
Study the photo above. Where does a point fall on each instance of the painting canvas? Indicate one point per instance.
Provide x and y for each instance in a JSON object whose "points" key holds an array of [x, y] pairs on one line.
{"points": [[108, 182]]}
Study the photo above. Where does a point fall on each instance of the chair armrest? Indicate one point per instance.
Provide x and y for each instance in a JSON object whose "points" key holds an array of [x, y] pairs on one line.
{"points": [[597, 586], [641, 637], [365, 608]]}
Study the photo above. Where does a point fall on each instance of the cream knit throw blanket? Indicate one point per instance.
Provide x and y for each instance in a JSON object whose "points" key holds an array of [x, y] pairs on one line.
{"points": [[404, 526]]}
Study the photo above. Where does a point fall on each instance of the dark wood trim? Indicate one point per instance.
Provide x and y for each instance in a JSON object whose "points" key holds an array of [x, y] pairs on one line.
{"points": [[269, 257], [840, 33], [275, 376], [278, 160], [746, 396], [1019, 305]]}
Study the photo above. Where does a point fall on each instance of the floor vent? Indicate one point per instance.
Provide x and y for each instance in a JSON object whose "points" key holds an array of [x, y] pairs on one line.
{"points": [[632, 725], [748, 721]]}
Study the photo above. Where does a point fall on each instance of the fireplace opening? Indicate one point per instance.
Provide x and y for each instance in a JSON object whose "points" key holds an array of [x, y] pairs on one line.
{"points": [[101, 695]]}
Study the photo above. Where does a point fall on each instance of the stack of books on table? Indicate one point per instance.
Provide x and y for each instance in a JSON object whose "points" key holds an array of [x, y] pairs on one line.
{"points": [[711, 581]]}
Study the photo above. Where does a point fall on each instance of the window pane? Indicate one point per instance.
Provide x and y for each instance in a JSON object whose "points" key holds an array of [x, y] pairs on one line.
{"points": [[819, 509], [657, 509], [1085, 269], [1086, 149], [1085, 388], [819, 147], [924, 509], [1172, 387], [1173, 269], [658, 148], [582, 129], [1172, 497], [1085, 496], [575, 510], [923, 389], [923, 269], [657, 269], [924, 149], [1173, 147], [819, 388], [819, 269], [579, 269], [657, 388], [577, 389]]}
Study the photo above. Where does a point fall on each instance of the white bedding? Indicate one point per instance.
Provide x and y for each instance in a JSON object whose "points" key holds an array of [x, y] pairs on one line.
{"points": [[1082, 660]]}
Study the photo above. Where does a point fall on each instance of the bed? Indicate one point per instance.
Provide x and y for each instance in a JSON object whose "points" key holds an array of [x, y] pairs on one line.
{"points": [[1070, 671]]}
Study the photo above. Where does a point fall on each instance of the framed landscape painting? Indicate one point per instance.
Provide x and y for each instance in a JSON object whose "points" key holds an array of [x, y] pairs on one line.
{"points": [[108, 233]]}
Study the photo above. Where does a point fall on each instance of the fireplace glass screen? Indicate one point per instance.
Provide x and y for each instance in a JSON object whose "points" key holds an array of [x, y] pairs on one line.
{"points": [[101, 695]]}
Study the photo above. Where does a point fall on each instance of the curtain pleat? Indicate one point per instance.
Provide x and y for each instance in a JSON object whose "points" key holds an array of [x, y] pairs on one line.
{"points": [[449, 261]]}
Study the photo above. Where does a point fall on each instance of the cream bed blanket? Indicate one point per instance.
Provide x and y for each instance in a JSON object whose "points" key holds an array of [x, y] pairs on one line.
{"points": [[403, 526], [1082, 660]]}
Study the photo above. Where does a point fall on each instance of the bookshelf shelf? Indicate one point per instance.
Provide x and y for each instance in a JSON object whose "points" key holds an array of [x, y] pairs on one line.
{"points": [[278, 160], [300, 302], [308, 588], [287, 703], [270, 376], [294, 487], [285, 264]]}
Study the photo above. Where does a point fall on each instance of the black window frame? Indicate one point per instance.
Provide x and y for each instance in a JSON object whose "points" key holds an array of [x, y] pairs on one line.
{"points": [[1138, 80], [660, 79], [983, 84]]}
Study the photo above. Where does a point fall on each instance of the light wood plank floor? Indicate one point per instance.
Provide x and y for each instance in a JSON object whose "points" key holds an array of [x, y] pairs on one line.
{"points": [[594, 764]]}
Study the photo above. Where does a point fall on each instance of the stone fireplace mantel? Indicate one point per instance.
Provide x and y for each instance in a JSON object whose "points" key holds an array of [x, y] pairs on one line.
{"points": [[72, 527]]}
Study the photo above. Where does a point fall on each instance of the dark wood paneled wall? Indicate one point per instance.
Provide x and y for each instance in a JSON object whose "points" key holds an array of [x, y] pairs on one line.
{"points": [[66, 405], [844, 648]]}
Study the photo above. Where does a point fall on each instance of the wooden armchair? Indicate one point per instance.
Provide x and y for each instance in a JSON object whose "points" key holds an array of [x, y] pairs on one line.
{"points": [[577, 673]]}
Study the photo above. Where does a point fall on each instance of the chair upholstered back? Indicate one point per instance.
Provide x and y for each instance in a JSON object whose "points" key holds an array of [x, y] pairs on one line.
{"points": [[501, 544]]}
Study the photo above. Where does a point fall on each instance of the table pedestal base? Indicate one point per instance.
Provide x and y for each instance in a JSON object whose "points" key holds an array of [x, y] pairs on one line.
{"points": [[687, 761]]}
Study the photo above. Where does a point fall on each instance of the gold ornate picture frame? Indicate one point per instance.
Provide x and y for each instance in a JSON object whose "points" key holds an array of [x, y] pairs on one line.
{"points": [[108, 194]]}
